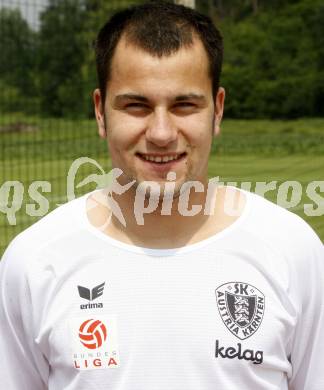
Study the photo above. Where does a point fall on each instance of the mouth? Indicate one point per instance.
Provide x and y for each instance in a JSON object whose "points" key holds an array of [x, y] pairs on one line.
{"points": [[161, 159]]}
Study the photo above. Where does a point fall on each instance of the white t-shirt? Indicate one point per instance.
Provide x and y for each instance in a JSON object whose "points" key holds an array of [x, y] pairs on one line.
{"points": [[241, 310]]}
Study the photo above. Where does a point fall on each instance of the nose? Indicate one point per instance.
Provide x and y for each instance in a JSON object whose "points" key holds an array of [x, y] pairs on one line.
{"points": [[161, 130]]}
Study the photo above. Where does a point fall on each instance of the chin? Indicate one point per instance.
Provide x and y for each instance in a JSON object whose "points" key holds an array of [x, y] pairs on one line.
{"points": [[160, 191]]}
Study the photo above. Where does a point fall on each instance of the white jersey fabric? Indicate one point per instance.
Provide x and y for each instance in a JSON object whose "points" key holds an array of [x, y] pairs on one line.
{"points": [[241, 310]]}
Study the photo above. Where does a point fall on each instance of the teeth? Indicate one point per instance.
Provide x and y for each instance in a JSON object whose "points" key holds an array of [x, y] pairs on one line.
{"points": [[161, 159]]}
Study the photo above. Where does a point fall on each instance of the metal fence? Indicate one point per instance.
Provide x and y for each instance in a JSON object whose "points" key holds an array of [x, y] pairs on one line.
{"points": [[40, 139]]}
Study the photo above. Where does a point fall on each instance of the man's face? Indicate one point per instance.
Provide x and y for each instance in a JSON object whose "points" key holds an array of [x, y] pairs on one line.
{"points": [[159, 114]]}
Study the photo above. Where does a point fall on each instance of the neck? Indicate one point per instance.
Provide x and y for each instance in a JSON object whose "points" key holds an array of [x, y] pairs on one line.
{"points": [[140, 210], [182, 220]]}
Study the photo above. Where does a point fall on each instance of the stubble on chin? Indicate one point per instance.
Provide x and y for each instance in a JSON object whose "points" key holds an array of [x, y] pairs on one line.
{"points": [[159, 190]]}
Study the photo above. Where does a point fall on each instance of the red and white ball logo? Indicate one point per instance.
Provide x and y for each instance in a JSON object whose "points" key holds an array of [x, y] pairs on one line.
{"points": [[92, 333]]}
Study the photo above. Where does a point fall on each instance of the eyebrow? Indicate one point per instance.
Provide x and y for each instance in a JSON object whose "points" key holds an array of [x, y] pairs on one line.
{"points": [[190, 96], [132, 96]]}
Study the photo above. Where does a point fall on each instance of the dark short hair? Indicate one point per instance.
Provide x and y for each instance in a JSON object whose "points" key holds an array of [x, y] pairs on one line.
{"points": [[161, 29]]}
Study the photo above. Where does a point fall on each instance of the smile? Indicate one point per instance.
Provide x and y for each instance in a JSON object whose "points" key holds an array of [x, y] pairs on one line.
{"points": [[161, 159]]}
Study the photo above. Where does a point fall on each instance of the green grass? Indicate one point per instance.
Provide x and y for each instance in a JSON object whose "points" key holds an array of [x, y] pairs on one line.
{"points": [[247, 151], [58, 138], [302, 169], [269, 137]]}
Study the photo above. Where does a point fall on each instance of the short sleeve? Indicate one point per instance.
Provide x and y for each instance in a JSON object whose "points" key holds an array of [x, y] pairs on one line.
{"points": [[307, 349], [23, 366]]}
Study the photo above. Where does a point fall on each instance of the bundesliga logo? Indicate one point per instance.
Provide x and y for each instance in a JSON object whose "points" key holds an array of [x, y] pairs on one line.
{"points": [[241, 307], [94, 342], [92, 333]]}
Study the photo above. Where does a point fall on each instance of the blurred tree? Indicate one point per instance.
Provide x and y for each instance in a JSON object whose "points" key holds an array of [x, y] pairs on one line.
{"points": [[17, 60], [312, 12], [61, 55], [272, 64], [255, 6]]}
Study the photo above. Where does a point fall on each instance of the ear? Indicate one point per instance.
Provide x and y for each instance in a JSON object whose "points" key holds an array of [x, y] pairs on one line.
{"points": [[219, 109], [99, 111]]}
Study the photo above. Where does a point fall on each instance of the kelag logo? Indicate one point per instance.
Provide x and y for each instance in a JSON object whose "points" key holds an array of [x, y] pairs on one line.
{"points": [[241, 307]]}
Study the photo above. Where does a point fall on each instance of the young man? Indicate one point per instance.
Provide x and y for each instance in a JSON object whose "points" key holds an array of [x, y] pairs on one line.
{"points": [[182, 299]]}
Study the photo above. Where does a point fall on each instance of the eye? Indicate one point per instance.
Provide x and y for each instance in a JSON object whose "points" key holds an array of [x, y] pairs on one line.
{"points": [[135, 105], [184, 108], [137, 108]]}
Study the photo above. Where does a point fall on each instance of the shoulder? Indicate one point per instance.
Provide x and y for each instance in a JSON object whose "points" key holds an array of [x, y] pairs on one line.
{"points": [[284, 231], [61, 222], [276, 221]]}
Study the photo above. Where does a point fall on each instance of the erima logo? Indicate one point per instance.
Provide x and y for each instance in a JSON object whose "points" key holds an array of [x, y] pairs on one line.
{"points": [[231, 353], [91, 295]]}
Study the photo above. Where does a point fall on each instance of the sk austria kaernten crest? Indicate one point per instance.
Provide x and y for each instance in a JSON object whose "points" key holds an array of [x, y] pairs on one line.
{"points": [[241, 308]]}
